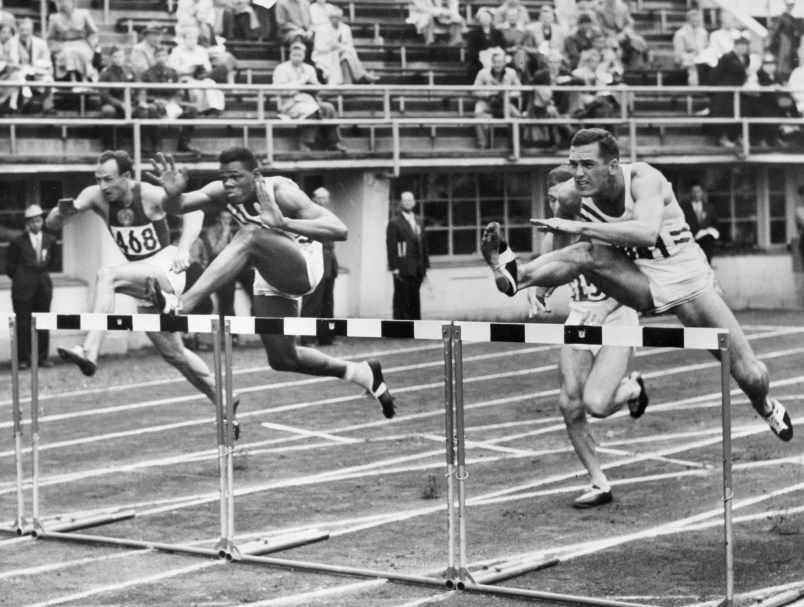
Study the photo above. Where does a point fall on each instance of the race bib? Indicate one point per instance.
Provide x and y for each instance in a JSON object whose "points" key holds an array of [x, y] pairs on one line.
{"points": [[583, 290], [136, 241]]}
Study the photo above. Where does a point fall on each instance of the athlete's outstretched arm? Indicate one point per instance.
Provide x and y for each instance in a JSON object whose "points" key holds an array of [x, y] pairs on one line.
{"points": [[192, 224], [173, 182], [288, 208], [68, 208]]}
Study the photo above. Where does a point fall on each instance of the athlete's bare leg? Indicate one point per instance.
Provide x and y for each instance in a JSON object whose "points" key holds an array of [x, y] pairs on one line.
{"points": [[274, 255], [603, 393], [195, 370], [285, 355]]}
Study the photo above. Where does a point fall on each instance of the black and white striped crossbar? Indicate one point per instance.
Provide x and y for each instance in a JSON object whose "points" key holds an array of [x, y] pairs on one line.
{"points": [[528, 333], [125, 322]]}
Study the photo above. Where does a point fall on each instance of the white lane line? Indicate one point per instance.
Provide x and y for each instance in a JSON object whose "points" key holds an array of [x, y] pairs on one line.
{"points": [[301, 599], [128, 584], [310, 433], [66, 564]]}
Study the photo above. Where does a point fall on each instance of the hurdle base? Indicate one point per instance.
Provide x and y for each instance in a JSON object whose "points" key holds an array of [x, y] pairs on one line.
{"points": [[451, 578], [18, 527], [782, 599], [128, 543], [62, 524], [548, 596], [511, 569], [282, 542]]}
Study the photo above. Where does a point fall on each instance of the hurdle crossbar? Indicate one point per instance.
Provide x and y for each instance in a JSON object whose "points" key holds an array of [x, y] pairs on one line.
{"points": [[47, 528]]}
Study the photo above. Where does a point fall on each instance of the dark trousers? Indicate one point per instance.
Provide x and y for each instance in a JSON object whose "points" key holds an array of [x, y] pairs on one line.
{"points": [[320, 304], [23, 308], [707, 243], [407, 305]]}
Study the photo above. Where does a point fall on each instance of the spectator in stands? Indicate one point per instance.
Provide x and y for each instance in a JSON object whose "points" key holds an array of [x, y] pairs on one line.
{"points": [[192, 63], [701, 217], [238, 21], [731, 70], [489, 103], [514, 37], [501, 13], [479, 41], [113, 101], [614, 19], [143, 53], [592, 104], [546, 34], [73, 39], [548, 103], [335, 55], [319, 13], [786, 39], [721, 41], [796, 84], [425, 15], [770, 103], [37, 67], [198, 14], [298, 105], [689, 43], [164, 104], [10, 70], [582, 39], [294, 22], [6, 17], [611, 61], [569, 11]]}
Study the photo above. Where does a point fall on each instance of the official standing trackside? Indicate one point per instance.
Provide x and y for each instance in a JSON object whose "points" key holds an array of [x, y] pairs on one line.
{"points": [[28, 263], [408, 258]]}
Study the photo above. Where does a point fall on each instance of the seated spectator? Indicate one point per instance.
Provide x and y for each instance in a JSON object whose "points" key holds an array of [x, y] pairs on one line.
{"points": [[426, 14], [164, 104], [548, 103], [192, 63], [514, 37], [238, 21], [6, 17], [611, 61], [298, 105], [198, 14], [113, 101], [721, 41], [479, 40], [731, 70], [294, 22], [786, 37], [546, 35], [335, 55], [501, 13], [142, 54], [614, 19], [10, 70], [568, 12], [36, 67], [490, 104], [319, 13], [689, 43], [769, 104], [73, 37], [592, 104], [582, 39]]}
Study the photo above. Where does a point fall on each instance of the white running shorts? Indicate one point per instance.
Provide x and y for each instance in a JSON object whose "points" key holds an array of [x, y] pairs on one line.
{"points": [[312, 250], [164, 260], [621, 317]]}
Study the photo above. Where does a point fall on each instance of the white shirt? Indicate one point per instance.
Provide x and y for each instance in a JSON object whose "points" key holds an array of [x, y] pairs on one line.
{"points": [[411, 220], [36, 242]]}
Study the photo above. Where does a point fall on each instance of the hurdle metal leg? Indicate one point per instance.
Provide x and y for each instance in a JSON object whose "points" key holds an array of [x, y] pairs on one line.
{"points": [[20, 525], [728, 495], [461, 475], [232, 553], [224, 544], [449, 435]]}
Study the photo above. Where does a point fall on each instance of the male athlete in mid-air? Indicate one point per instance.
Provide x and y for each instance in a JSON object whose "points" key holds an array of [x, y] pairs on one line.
{"points": [[593, 378], [280, 234], [641, 254], [137, 220]]}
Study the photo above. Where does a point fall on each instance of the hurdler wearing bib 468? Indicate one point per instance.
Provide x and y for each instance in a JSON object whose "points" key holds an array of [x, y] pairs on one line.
{"points": [[280, 235], [137, 221], [639, 254]]}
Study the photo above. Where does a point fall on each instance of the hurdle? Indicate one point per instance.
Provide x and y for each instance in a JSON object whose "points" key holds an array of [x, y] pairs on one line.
{"points": [[19, 526], [452, 334], [61, 528]]}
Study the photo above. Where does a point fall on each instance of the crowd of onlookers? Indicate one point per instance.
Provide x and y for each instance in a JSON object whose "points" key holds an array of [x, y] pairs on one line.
{"points": [[590, 43]]}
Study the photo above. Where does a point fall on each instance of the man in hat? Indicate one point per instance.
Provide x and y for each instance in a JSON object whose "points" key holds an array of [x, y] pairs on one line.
{"points": [[28, 263], [143, 54]]}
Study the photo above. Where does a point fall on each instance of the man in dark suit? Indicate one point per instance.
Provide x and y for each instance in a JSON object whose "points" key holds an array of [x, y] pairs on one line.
{"points": [[701, 217], [320, 303], [28, 262], [407, 258], [731, 70]]}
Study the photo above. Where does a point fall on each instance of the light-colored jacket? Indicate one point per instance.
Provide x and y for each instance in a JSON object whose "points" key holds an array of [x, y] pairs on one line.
{"points": [[688, 44]]}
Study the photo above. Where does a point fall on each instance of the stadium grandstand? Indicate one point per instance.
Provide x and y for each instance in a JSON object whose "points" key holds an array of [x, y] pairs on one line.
{"points": [[412, 125]]}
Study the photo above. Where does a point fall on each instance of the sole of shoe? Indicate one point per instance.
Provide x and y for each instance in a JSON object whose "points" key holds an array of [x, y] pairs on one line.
{"points": [[379, 390], [600, 499], [784, 435], [641, 401], [87, 367]]}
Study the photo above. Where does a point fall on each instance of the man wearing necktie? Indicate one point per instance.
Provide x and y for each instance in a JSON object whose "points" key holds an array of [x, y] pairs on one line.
{"points": [[701, 217], [28, 263], [408, 259]]}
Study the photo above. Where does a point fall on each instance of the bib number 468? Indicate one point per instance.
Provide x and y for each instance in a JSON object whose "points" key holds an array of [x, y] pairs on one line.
{"points": [[133, 241]]}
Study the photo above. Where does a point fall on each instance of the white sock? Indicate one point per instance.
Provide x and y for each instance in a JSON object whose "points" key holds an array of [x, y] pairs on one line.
{"points": [[359, 373]]}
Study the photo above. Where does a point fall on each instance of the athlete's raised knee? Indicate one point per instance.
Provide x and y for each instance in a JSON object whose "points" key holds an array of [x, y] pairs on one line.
{"points": [[571, 409]]}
